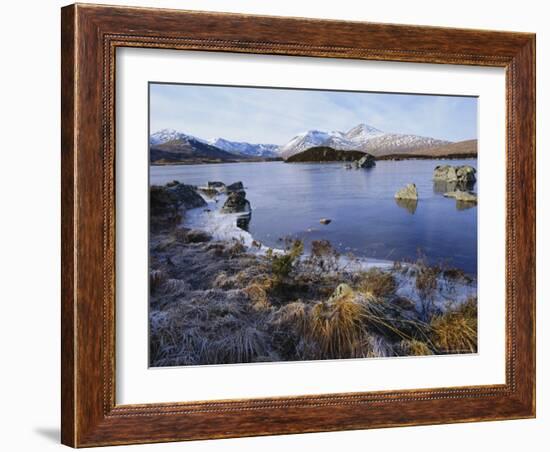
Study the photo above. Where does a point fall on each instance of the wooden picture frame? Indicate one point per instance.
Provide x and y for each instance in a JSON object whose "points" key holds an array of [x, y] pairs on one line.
{"points": [[90, 36]]}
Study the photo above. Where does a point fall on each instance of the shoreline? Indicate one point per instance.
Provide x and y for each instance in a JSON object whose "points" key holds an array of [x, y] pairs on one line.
{"points": [[391, 157], [218, 296], [222, 227]]}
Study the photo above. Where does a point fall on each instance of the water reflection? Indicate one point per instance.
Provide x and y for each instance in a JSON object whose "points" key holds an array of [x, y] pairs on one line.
{"points": [[408, 204], [443, 187], [463, 205]]}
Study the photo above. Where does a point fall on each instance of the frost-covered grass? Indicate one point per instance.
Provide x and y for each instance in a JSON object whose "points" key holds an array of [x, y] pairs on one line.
{"points": [[226, 300]]}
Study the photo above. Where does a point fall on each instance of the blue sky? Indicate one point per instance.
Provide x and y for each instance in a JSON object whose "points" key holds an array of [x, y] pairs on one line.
{"points": [[264, 115]]}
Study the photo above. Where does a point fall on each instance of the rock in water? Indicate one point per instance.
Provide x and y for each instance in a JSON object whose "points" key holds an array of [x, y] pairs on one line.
{"points": [[236, 202], [466, 174], [207, 191], [325, 221], [168, 203], [462, 196], [408, 192], [215, 184], [236, 186], [367, 161], [186, 195], [463, 175]]}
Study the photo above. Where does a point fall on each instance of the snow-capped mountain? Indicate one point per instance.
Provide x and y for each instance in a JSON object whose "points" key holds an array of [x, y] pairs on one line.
{"points": [[171, 146], [234, 147], [312, 138], [360, 138], [362, 132], [243, 148], [396, 143], [167, 135]]}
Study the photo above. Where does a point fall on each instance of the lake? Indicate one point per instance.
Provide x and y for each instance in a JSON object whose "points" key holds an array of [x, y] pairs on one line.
{"points": [[289, 199]]}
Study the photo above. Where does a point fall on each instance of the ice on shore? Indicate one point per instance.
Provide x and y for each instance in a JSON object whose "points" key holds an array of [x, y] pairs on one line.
{"points": [[223, 227]]}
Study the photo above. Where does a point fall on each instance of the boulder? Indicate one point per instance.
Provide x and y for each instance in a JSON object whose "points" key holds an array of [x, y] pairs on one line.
{"points": [[407, 192], [161, 200], [367, 161], [464, 175], [207, 191], [168, 203], [236, 202], [186, 196], [462, 196], [325, 221], [236, 186]]}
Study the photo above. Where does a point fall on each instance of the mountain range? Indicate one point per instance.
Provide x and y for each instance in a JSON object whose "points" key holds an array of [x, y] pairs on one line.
{"points": [[169, 145], [360, 138]]}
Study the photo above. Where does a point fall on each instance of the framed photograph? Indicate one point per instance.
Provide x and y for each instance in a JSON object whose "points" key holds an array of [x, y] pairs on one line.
{"points": [[281, 225]]}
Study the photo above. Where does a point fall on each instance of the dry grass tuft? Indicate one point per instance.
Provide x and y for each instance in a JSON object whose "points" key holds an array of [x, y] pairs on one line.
{"points": [[426, 280], [236, 248], [377, 283], [258, 296], [338, 326], [414, 347], [456, 330], [323, 258]]}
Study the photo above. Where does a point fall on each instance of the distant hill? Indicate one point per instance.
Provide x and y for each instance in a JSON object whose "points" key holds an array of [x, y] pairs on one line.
{"points": [[460, 149], [187, 149], [324, 154], [169, 146], [247, 149]]}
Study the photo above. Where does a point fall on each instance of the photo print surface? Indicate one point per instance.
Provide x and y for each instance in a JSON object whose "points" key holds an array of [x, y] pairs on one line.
{"points": [[298, 225]]}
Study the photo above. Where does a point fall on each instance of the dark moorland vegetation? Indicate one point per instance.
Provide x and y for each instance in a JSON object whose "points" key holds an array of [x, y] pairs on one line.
{"points": [[325, 154]]}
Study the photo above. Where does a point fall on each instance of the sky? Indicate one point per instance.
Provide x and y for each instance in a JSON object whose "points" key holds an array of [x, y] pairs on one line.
{"points": [[275, 116]]}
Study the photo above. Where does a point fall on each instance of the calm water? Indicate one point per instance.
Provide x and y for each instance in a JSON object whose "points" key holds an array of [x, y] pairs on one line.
{"points": [[289, 199]]}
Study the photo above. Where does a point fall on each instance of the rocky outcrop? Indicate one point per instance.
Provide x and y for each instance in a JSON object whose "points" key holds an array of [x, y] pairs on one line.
{"points": [[186, 196], [168, 203], [367, 161], [463, 175], [462, 196], [236, 202], [236, 186], [407, 192], [209, 192]]}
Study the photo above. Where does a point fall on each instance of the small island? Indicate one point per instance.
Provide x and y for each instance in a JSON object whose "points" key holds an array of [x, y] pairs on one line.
{"points": [[325, 154]]}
